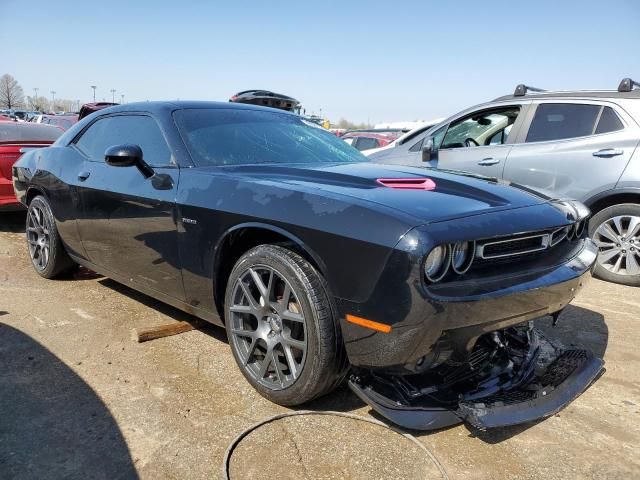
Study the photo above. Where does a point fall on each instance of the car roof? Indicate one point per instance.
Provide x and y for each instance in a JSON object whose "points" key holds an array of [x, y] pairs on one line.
{"points": [[379, 135], [261, 93], [573, 94], [20, 132], [168, 106]]}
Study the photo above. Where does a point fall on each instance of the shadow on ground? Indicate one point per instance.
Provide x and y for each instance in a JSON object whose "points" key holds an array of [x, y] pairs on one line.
{"points": [[13, 221], [213, 331], [52, 424]]}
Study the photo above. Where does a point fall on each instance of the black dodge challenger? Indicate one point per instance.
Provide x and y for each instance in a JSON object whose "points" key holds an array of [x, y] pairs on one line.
{"points": [[417, 285]]}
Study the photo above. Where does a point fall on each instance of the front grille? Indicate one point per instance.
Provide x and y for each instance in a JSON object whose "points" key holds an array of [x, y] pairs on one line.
{"points": [[559, 235], [513, 246]]}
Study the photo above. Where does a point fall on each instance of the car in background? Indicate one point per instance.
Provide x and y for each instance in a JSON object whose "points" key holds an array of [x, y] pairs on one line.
{"points": [[368, 139], [573, 144], [15, 137], [414, 134], [89, 108], [419, 284], [266, 98], [65, 121]]}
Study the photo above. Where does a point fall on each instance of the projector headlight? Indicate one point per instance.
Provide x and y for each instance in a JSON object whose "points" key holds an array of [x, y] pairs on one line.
{"points": [[462, 256], [437, 263]]}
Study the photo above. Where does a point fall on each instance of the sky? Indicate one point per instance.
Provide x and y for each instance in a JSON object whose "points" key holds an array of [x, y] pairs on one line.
{"points": [[375, 61]]}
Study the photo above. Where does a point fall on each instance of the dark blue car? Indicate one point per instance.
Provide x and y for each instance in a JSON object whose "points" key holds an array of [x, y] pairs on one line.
{"points": [[415, 284]]}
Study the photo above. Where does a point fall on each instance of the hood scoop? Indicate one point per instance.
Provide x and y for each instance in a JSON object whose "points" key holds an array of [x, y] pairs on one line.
{"points": [[408, 183]]}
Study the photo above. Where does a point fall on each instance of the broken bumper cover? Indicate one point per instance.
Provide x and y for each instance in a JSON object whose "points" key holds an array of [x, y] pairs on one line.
{"points": [[547, 380], [522, 405]]}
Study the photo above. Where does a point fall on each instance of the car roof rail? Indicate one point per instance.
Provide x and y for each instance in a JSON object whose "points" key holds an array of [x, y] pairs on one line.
{"points": [[627, 84], [522, 89]]}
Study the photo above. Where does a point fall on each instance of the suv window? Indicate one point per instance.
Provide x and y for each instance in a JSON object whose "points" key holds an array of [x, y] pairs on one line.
{"points": [[500, 138], [479, 128], [140, 130], [609, 121], [557, 121]]}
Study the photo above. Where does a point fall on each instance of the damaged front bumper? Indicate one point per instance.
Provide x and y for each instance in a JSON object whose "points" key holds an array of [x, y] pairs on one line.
{"points": [[513, 376]]}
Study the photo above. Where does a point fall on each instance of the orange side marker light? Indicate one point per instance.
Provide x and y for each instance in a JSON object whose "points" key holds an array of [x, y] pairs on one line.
{"points": [[363, 322]]}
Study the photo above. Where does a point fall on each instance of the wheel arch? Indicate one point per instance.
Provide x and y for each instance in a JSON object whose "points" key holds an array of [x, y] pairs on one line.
{"points": [[33, 192], [613, 197], [241, 238]]}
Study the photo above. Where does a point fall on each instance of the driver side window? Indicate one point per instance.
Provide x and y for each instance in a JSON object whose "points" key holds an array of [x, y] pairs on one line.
{"points": [[136, 129], [490, 127]]}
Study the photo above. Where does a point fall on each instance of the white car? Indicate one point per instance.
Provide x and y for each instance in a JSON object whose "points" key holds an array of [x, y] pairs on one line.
{"points": [[406, 137]]}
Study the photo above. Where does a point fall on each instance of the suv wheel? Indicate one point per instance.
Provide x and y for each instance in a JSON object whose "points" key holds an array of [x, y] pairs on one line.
{"points": [[281, 326], [616, 231]]}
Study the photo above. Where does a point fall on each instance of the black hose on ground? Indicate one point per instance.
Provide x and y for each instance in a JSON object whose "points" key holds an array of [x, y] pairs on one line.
{"points": [[244, 433]]}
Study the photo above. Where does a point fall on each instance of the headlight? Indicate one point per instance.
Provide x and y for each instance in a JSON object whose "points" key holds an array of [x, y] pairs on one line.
{"points": [[462, 256], [437, 263]]}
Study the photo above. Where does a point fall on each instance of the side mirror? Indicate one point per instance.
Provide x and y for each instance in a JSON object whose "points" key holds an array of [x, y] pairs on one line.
{"points": [[429, 151], [127, 156]]}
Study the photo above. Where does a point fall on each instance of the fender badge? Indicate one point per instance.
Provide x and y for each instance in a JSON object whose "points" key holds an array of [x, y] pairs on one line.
{"points": [[189, 220]]}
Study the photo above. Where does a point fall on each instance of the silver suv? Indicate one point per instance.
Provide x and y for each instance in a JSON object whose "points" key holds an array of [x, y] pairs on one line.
{"points": [[581, 145]]}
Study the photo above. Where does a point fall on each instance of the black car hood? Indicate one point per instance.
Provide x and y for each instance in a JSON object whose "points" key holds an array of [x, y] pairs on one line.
{"points": [[455, 194]]}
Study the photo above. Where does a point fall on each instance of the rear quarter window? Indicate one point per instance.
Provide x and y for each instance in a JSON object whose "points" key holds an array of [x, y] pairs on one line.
{"points": [[609, 121]]}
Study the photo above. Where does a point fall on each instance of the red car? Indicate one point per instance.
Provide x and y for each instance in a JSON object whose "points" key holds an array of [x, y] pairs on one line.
{"points": [[365, 140], [89, 108], [14, 137]]}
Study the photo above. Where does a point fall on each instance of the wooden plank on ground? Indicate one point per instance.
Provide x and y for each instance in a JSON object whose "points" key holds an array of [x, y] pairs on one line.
{"points": [[151, 333]]}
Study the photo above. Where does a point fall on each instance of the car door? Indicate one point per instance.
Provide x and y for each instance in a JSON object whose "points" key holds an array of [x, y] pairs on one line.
{"points": [[128, 222], [480, 141], [573, 149]]}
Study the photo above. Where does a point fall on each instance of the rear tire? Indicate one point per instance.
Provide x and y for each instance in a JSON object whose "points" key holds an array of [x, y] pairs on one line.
{"points": [[616, 231], [48, 255], [285, 338]]}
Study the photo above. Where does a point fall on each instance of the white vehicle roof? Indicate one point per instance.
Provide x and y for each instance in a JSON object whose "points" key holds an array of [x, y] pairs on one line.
{"points": [[399, 140]]}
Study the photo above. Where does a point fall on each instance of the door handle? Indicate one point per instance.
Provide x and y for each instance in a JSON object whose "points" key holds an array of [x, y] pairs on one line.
{"points": [[608, 152], [82, 176], [488, 161]]}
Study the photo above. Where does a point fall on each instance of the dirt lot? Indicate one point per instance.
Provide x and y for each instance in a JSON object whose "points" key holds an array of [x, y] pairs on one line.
{"points": [[80, 399]]}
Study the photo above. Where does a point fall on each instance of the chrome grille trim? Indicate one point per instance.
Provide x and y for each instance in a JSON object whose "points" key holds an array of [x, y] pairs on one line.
{"points": [[545, 242], [560, 234]]}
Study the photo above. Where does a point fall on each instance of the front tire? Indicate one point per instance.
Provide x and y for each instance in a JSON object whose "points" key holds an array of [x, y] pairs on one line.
{"points": [[47, 253], [616, 231], [281, 325]]}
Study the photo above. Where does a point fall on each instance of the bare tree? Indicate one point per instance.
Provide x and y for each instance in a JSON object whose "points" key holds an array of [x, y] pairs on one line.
{"points": [[11, 94]]}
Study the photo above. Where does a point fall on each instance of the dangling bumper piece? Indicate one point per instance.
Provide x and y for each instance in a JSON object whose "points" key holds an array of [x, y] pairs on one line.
{"points": [[511, 377]]}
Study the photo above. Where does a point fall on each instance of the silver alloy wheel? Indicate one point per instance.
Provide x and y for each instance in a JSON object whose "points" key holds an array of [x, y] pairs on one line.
{"points": [[38, 238], [618, 240], [268, 327]]}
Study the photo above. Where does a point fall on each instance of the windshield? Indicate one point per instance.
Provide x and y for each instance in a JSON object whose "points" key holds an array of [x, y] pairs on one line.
{"points": [[219, 136]]}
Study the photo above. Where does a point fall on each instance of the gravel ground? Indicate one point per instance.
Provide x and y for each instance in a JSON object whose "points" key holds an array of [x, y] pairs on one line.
{"points": [[80, 399]]}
